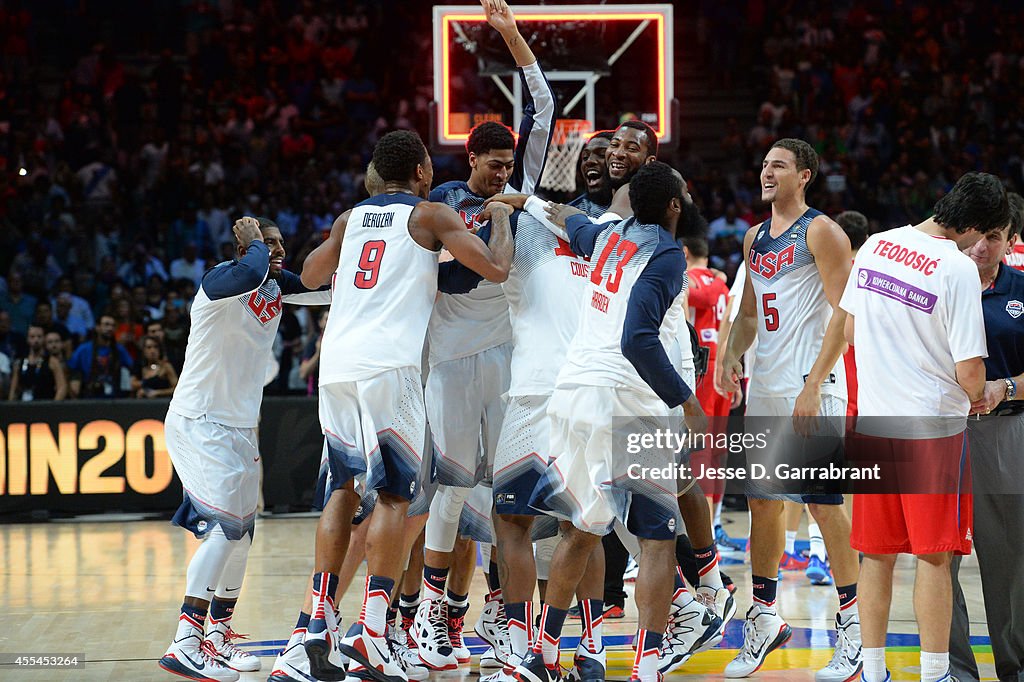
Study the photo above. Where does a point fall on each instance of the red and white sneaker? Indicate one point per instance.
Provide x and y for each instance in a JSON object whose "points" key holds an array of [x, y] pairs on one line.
{"points": [[459, 649], [430, 632], [292, 664], [221, 636], [194, 658], [375, 654]]}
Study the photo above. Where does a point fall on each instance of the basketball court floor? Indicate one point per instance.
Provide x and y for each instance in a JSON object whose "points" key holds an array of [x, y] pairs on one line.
{"points": [[109, 590]]}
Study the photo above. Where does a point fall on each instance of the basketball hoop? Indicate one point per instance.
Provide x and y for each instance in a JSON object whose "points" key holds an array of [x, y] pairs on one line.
{"points": [[567, 142]]}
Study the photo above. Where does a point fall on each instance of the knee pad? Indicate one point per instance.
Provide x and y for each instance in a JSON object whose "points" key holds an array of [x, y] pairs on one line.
{"points": [[443, 522]]}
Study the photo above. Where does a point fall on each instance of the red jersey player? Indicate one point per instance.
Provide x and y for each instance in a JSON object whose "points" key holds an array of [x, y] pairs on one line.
{"points": [[706, 306], [855, 225]]}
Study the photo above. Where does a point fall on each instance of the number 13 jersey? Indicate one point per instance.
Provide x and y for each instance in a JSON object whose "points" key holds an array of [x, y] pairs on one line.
{"points": [[792, 312], [614, 306], [384, 290]]}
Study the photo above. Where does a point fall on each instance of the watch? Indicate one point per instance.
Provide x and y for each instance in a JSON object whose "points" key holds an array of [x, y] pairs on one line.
{"points": [[1011, 389]]}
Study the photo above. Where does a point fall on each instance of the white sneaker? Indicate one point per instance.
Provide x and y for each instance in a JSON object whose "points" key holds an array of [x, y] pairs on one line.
{"points": [[408, 658], [764, 631], [191, 656], [848, 659], [322, 642], [220, 635], [459, 649], [691, 628], [430, 632], [375, 654], [492, 627], [357, 673], [489, 659], [506, 674], [292, 664], [721, 603]]}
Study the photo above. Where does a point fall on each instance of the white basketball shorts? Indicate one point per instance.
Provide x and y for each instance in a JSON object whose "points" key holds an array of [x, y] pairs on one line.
{"points": [[220, 473], [589, 481], [465, 407], [374, 431]]}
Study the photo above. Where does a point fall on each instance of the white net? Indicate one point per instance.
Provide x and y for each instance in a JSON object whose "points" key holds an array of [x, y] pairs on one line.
{"points": [[567, 141]]}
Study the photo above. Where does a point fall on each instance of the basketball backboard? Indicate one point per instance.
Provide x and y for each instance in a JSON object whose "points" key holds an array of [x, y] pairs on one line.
{"points": [[605, 62]]}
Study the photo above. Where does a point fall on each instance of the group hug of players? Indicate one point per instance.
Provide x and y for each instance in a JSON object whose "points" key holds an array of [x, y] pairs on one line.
{"points": [[548, 323]]}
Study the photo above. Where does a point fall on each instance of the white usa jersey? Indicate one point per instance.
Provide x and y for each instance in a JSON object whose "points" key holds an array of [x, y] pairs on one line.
{"points": [[235, 316], [792, 312], [631, 310], [544, 290], [466, 324], [384, 290]]}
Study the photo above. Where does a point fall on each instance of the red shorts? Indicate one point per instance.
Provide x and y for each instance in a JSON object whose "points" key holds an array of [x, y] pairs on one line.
{"points": [[916, 522], [717, 408]]}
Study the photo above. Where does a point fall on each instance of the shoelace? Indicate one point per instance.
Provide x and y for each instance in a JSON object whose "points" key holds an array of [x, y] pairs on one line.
{"points": [[405, 629], [209, 654], [439, 625], [231, 634], [229, 646], [455, 626], [749, 633]]}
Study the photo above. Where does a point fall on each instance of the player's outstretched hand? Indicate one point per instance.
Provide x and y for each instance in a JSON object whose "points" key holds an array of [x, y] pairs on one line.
{"points": [[247, 231], [559, 213], [499, 16], [516, 201]]}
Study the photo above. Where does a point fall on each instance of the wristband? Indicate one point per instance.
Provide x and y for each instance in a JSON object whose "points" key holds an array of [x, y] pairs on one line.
{"points": [[1011, 389]]}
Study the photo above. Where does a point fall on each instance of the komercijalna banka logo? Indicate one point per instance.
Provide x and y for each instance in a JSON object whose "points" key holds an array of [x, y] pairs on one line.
{"points": [[896, 289]]}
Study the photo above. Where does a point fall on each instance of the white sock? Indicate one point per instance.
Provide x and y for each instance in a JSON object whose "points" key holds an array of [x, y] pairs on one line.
{"points": [[874, 664], [791, 542], [817, 542], [934, 666]]}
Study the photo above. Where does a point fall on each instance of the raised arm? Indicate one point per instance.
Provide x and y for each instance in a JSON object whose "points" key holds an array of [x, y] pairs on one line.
{"points": [[322, 261], [245, 274], [537, 124], [493, 261]]}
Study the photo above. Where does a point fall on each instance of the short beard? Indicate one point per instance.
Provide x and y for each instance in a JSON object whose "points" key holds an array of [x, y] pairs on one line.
{"points": [[691, 222]]}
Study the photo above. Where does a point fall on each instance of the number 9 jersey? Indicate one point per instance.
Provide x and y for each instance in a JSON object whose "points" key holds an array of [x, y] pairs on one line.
{"points": [[384, 290], [792, 312]]}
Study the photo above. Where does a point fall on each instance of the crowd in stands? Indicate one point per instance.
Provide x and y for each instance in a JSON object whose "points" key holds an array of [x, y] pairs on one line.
{"points": [[898, 98], [132, 135]]}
